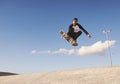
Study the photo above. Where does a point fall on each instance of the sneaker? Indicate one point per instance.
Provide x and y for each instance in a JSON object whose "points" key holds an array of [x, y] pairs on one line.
{"points": [[76, 44]]}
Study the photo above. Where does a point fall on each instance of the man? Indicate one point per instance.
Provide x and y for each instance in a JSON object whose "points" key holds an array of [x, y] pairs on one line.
{"points": [[75, 30]]}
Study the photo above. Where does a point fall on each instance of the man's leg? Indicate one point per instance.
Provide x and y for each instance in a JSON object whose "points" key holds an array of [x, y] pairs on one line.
{"points": [[71, 33], [76, 35]]}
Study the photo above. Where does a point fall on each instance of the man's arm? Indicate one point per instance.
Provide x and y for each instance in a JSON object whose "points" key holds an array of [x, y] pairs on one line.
{"points": [[89, 36]]}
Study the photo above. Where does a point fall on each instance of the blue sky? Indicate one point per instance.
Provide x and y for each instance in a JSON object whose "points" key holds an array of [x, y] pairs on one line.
{"points": [[26, 25]]}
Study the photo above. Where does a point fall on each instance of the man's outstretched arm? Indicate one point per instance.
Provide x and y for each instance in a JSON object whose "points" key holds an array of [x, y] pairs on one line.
{"points": [[88, 35]]}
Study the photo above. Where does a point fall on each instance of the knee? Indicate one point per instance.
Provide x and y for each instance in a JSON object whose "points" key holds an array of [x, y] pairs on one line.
{"points": [[80, 32]]}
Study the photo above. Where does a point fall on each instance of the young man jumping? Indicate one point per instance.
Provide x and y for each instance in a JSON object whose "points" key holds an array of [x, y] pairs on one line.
{"points": [[75, 30]]}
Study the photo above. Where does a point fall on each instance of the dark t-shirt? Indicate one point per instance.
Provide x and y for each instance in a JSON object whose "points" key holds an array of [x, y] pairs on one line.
{"points": [[73, 29]]}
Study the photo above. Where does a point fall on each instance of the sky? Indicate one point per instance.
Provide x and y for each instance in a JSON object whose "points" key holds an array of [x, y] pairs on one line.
{"points": [[30, 40]]}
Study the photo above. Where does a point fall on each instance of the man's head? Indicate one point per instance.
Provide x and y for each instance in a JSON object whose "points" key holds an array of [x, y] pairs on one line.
{"points": [[75, 20]]}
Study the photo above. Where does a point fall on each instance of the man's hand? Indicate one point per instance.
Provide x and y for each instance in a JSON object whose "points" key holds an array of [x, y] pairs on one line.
{"points": [[89, 36]]}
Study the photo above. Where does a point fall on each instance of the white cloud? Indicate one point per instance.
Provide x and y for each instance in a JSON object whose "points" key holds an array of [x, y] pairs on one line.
{"points": [[64, 51], [33, 51], [97, 48]]}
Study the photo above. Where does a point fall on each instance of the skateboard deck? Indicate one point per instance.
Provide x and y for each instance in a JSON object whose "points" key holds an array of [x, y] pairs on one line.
{"points": [[68, 38]]}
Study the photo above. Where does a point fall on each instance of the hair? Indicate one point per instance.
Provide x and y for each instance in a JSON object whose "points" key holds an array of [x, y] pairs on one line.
{"points": [[75, 19]]}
